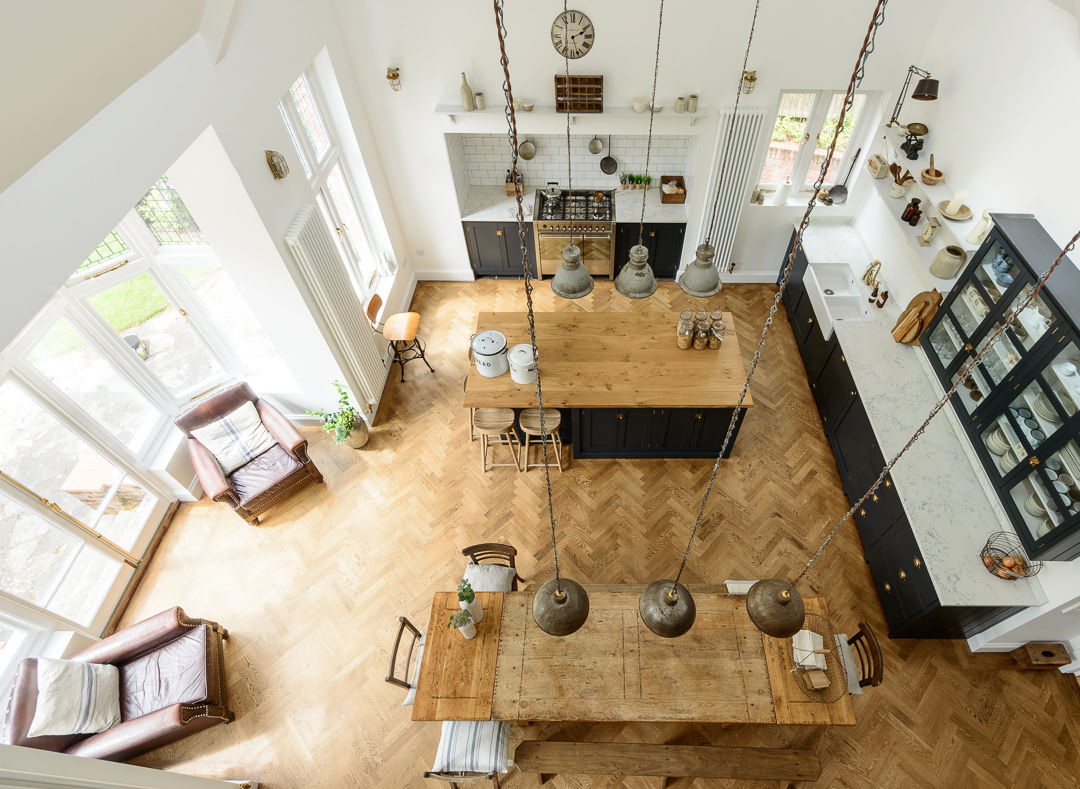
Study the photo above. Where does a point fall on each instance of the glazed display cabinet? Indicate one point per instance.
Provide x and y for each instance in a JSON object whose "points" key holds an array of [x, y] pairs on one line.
{"points": [[1020, 404]]}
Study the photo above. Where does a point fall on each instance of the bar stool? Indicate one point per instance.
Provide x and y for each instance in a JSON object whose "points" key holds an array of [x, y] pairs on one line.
{"points": [[399, 330], [530, 426], [497, 424]]}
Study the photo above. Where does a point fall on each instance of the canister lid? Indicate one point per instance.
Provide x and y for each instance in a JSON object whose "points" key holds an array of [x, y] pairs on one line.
{"points": [[521, 354], [489, 343]]}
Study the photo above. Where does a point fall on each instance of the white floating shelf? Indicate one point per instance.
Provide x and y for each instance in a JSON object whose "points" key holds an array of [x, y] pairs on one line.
{"points": [[545, 115]]}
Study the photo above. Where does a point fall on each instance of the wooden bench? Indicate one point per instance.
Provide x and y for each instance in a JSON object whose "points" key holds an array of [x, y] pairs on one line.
{"points": [[550, 758]]}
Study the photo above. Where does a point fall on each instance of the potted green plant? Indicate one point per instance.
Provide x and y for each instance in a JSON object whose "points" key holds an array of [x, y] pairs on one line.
{"points": [[462, 622], [637, 180], [622, 180], [344, 423], [467, 600], [648, 181]]}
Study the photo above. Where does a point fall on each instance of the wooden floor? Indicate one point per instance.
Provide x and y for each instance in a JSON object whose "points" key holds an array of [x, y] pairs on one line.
{"points": [[311, 595]]}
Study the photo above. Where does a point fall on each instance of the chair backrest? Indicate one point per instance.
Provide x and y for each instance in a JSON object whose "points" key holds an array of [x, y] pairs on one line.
{"points": [[214, 407], [462, 778], [867, 652], [372, 311], [392, 677], [494, 553], [738, 587]]}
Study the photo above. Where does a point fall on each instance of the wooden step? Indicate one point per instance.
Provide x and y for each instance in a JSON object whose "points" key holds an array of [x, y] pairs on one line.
{"points": [[693, 761]]}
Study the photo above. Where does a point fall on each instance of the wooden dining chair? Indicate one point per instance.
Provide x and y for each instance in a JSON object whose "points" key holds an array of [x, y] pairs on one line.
{"points": [[494, 553], [867, 653], [403, 680], [399, 330], [464, 778]]}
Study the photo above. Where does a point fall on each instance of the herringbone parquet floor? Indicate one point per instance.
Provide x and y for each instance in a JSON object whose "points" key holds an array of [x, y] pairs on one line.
{"points": [[311, 595]]}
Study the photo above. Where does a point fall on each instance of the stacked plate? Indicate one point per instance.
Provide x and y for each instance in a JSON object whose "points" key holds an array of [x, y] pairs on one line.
{"points": [[1034, 506], [1045, 409], [1044, 528], [997, 443], [1008, 460], [1071, 456]]}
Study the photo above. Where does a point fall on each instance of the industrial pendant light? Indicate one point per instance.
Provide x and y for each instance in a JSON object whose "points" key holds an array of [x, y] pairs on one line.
{"points": [[700, 278], [572, 280], [636, 280], [561, 606], [776, 608]]}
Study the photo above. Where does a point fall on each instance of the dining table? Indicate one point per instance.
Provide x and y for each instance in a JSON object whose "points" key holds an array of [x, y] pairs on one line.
{"points": [[723, 670]]}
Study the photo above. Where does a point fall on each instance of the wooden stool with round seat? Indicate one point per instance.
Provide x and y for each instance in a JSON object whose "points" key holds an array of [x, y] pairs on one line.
{"points": [[399, 330], [495, 427], [530, 426]]}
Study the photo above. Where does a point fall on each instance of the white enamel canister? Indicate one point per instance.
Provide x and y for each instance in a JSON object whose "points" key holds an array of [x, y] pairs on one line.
{"points": [[522, 364], [489, 351]]}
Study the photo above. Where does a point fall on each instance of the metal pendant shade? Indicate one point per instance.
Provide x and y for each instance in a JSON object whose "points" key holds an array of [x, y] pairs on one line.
{"points": [[636, 280], [925, 90], [701, 279], [776, 608], [572, 280], [667, 608], [560, 607]]}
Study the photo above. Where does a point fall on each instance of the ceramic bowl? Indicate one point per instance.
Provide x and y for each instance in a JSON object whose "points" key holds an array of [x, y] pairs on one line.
{"points": [[1034, 506], [641, 103], [1068, 368], [1044, 528], [1008, 461]]}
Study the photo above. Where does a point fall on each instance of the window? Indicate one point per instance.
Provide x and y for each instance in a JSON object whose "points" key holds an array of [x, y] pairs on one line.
{"points": [[167, 217], [805, 122], [326, 169]]}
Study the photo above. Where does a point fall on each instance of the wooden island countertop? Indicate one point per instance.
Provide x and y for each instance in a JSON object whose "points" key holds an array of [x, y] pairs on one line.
{"points": [[612, 360]]}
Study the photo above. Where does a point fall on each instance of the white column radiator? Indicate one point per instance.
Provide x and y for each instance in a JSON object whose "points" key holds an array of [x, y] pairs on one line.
{"points": [[337, 308], [738, 179]]}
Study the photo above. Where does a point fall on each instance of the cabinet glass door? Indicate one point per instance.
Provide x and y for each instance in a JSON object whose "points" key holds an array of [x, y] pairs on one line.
{"points": [[1047, 497], [946, 341], [973, 389], [1002, 440], [1031, 324], [1063, 380], [996, 272], [969, 310]]}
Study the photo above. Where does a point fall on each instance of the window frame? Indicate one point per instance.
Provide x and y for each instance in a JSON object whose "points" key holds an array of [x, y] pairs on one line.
{"points": [[814, 125], [318, 170]]}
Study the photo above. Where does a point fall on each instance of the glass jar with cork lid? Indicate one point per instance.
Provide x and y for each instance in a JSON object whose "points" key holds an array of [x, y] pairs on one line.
{"points": [[684, 335]]}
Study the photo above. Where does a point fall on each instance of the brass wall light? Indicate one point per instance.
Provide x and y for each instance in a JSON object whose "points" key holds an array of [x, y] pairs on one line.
{"points": [[926, 89], [749, 82], [393, 76], [278, 166]]}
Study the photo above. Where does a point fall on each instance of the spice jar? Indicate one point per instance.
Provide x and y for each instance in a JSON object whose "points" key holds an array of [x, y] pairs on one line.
{"points": [[718, 324], [685, 334], [701, 335], [686, 315], [716, 315], [716, 336], [700, 316]]}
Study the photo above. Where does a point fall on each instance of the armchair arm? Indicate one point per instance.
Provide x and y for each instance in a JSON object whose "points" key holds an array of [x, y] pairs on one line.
{"points": [[140, 637], [150, 731], [206, 467], [282, 429]]}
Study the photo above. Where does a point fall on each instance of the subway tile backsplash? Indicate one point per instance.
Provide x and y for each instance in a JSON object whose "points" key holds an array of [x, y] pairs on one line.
{"points": [[483, 159]]}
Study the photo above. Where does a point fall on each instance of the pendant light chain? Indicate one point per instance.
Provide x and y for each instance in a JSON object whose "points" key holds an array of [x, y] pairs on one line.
{"points": [[714, 212], [511, 121], [569, 177], [856, 78], [652, 114], [963, 374]]}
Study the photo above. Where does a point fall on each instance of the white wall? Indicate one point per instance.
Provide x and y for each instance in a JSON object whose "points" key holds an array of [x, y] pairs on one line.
{"points": [[797, 45]]}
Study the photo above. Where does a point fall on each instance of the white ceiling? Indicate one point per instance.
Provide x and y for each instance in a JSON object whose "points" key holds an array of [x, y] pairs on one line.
{"points": [[65, 60]]}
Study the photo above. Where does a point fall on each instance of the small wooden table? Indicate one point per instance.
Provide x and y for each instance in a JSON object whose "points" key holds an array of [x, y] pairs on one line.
{"points": [[614, 669], [631, 392]]}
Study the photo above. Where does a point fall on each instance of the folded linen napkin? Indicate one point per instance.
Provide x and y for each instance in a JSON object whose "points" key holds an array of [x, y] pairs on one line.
{"points": [[804, 645]]}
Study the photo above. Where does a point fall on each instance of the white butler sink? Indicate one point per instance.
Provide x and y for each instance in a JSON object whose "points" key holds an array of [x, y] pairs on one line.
{"points": [[833, 292]]}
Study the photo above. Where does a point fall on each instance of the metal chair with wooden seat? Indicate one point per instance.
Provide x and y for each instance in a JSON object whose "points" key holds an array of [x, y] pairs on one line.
{"points": [[497, 424], [867, 653], [404, 680], [530, 426], [399, 330], [494, 553]]}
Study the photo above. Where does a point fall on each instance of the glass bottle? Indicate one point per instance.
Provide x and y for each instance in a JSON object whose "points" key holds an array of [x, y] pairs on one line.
{"points": [[685, 335], [701, 316], [701, 335], [716, 315], [686, 315], [716, 335]]}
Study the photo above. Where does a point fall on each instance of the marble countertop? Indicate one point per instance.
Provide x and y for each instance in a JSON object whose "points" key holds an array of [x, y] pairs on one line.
{"points": [[492, 204], [949, 505]]}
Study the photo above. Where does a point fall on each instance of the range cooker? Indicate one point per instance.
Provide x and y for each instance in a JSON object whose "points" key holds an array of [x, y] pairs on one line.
{"points": [[583, 216]]}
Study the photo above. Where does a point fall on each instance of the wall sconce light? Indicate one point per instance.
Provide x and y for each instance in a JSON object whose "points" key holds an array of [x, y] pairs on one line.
{"points": [[749, 82], [278, 166], [394, 78], [926, 89]]}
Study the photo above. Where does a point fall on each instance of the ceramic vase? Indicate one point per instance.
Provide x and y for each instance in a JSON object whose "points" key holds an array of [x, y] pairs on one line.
{"points": [[481, 102], [691, 102], [476, 613], [468, 630], [897, 190], [948, 262], [466, 95], [680, 104]]}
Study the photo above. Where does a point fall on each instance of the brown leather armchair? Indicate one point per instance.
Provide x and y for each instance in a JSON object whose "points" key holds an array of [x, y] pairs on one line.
{"points": [[172, 685], [274, 475]]}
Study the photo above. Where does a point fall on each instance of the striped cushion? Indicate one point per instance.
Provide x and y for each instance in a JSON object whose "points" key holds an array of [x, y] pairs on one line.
{"points": [[236, 439], [473, 747], [75, 698]]}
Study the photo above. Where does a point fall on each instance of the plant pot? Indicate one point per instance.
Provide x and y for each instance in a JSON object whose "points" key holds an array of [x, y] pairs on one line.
{"points": [[468, 630], [358, 436], [476, 613]]}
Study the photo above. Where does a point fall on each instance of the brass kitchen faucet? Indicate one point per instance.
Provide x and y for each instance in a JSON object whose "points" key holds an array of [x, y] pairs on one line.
{"points": [[870, 276]]}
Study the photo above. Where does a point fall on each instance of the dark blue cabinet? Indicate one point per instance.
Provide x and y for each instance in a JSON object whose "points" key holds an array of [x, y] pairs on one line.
{"points": [[651, 432]]}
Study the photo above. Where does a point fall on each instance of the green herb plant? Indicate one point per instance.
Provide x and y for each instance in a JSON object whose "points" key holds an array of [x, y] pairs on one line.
{"points": [[459, 620], [465, 592], [341, 421]]}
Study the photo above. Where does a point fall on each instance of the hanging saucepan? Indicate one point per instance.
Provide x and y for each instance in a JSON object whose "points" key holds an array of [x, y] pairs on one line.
{"points": [[608, 165], [838, 193], [595, 146], [526, 150]]}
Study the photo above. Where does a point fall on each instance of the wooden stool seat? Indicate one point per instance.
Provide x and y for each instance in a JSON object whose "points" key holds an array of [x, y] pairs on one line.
{"points": [[530, 421], [493, 421], [530, 426], [401, 327]]}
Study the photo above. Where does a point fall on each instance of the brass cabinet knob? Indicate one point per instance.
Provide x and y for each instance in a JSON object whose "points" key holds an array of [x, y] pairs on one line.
{"points": [[498, 232], [852, 392], [809, 320], [843, 358], [888, 587], [917, 562], [887, 483], [903, 575], [619, 416], [697, 415], [652, 234], [862, 512], [873, 497], [1033, 462]]}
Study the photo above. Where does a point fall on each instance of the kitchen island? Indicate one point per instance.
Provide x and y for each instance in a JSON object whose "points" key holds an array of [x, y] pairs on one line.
{"points": [[629, 390]]}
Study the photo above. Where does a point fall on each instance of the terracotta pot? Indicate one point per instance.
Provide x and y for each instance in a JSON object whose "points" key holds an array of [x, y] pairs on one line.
{"points": [[358, 436]]}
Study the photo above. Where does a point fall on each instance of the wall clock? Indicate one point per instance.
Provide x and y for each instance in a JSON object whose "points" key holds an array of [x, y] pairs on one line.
{"points": [[573, 34]]}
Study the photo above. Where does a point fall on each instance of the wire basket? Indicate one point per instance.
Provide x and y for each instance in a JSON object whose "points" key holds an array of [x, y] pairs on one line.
{"points": [[836, 662], [1004, 557]]}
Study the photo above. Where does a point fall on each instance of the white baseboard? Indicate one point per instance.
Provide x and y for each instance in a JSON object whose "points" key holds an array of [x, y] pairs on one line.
{"points": [[749, 277], [445, 274]]}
